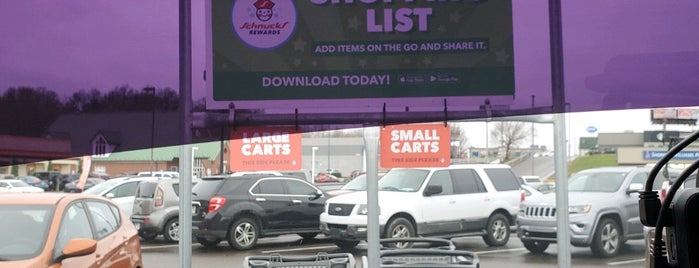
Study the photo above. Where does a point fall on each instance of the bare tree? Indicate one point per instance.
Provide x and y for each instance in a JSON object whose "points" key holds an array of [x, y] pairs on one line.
{"points": [[458, 140], [509, 134]]}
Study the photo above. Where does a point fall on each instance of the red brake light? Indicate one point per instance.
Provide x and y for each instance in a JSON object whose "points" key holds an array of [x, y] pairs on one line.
{"points": [[522, 196], [215, 203], [663, 193], [159, 197]]}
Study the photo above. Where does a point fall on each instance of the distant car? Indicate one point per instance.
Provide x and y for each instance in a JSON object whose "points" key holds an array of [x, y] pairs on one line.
{"points": [[603, 210], [546, 187], [72, 187], [7, 177], [528, 191], [242, 209], [326, 177], [34, 181], [356, 184], [18, 186], [65, 230], [120, 190], [156, 209], [532, 180]]}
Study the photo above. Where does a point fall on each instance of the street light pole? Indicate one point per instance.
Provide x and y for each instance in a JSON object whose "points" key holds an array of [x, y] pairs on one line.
{"points": [[313, 162], [152, 125]]}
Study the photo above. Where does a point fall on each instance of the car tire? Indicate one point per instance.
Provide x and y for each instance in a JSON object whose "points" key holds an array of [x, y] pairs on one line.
{"points": [[147, 236], [497, 232], [400, 228], [171, 230], [607, 240], [243, 234], [207, 243], [346, 244], [308, 236], [536, 247]]}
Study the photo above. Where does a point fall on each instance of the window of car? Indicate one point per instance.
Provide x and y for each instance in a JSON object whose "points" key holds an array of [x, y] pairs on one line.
{"points": [[299, 188], [74, 224], [467, 181], [125, 190], [268, 187], [103, 217], [29, 223], [442, 178], [146, 189], [503, 179], [404, 180]]}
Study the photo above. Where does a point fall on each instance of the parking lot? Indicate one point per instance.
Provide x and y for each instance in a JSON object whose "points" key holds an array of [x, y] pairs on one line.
{"points": [[160, 254]]}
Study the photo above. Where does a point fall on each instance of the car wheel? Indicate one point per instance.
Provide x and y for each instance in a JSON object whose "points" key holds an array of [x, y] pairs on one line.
{"points": [[346, 244], [171, 230], [207, 243], [537, 247], [243, 234], [148, 235], [607, 240], [308, 236], [400, 228], [497, 232]]}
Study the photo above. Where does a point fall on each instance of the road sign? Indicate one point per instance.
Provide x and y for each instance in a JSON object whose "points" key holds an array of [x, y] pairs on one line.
{"points": [[415, 145]]}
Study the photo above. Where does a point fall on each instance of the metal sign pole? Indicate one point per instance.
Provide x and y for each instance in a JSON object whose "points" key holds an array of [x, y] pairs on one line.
{"points": [[185, 167], [371, 142]]}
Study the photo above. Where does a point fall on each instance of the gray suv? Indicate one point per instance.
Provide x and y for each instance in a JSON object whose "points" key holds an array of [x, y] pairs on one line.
{"points": [[603, 208], [156, 209]]}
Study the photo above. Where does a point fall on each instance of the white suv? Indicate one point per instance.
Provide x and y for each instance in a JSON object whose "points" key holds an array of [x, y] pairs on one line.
{"points": [[459, 200]]}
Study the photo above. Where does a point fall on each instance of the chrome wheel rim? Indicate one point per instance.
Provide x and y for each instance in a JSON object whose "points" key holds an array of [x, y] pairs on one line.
{"points": [[174, 231], [400, 231], [609, 238], [499, 230], [244, 234]]}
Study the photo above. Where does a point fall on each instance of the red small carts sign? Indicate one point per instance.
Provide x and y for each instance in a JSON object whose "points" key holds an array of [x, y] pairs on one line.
{"points": [[415, 145], [260, 148]]}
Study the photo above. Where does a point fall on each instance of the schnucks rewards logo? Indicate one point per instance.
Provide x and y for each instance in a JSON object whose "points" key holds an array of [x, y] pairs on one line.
{"points": [[264, 24]]}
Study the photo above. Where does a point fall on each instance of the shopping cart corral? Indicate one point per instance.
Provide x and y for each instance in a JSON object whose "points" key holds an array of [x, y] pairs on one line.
{"points": [[424, 253]]}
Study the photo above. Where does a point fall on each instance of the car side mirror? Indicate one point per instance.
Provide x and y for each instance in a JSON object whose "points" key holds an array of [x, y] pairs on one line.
{"points": [[317, 194], [76, 248], [109, 195], [634, 188], [432, 190]]}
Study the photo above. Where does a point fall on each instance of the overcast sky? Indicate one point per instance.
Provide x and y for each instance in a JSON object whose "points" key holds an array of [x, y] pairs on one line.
{"points": [[68, 45]]}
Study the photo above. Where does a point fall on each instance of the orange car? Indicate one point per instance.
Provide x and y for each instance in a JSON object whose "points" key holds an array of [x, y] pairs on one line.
{"points": [[65, 230]]}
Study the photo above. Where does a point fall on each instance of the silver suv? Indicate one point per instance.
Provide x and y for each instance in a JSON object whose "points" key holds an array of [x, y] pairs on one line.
{"points": [[156, 209], [603, 207], [459, 200]]}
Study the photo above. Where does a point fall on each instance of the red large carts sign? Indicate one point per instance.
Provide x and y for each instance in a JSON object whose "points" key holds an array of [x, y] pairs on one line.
{"points": [[260, 148], [415, 145]]}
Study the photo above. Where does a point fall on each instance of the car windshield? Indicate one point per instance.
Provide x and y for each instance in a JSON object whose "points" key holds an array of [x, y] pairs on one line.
{"points": [[29, 179], [23, 230], [356, 184], [403, 180], [19, 184], [603, 181], [99, 188]]}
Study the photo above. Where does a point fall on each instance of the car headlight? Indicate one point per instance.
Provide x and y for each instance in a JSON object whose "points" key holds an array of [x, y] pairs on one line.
{"points": [[579, 209], [364, 210]]}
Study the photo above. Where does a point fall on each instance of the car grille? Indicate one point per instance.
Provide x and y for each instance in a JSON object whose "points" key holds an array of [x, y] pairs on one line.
{"points": [[540, 212], [340, 209]]}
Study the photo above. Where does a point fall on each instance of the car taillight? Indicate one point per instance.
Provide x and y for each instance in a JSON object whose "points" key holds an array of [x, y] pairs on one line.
{"points": [[663, 193], [215, 203], [522, 196], [159, 197]]}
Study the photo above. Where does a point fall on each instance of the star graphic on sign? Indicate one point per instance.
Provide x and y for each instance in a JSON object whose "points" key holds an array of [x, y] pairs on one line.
{"points": [[501, 56], [442, 28], [454, 16], [297, 62], [353, 23], [362, 63], [427, 61], [299, 45]]}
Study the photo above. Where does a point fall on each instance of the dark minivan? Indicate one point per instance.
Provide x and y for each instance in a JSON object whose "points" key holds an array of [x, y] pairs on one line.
{"points": [[242, 209]]}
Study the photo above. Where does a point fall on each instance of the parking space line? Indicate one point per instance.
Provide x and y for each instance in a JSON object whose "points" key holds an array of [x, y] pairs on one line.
{"points": [[158, 247], [500, 250], [296, 249], [625, 262]]}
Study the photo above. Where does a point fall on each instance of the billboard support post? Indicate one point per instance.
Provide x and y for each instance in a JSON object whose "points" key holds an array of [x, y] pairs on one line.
{"points": [[371, 143]]}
